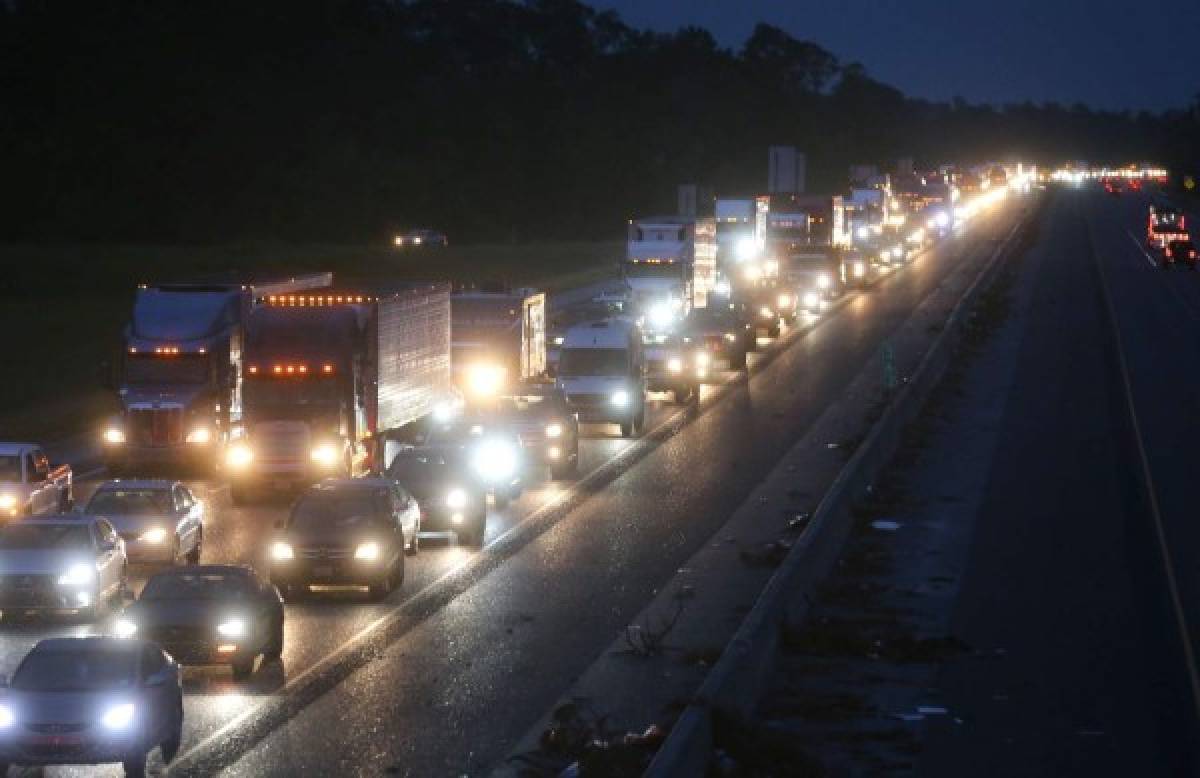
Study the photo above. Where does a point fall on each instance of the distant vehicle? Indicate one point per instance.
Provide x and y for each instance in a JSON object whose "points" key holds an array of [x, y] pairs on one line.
{"points": [[209, 615], [672, 366], [610, 305], [423, 238], [437, 470], [602, 369], [92, 700], [497, 339], [1179, 252], [160, 521], [860, 270], [818, 275], [723, 332], [346, 532], [178, 376], [1165, 223], [997, 176], [546, 427], [30, 485], [326, 374], [61, 563], [1113, 186], [670, 265]]}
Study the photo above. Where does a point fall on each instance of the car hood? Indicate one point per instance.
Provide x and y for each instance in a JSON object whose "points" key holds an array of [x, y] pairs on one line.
{"points": [[188, 612], [145, 397], [67, 707], [136, 524], [39, 562]]}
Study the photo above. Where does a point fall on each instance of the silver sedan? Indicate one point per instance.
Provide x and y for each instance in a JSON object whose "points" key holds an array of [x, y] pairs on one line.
{"points": [[161, 521]]}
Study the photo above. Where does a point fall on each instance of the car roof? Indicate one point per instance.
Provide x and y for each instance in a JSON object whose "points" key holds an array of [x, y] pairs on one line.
{"points": [[14, 449], [147, 484], [89, 643]]}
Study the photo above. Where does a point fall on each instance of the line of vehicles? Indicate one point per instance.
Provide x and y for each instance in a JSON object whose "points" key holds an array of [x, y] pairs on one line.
{"points": [[384, 415]]}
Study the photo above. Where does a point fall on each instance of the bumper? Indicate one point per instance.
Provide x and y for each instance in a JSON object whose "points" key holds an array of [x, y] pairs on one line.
{"points": [[87, 747], [447, 520], [45, 597], [328, 572], [139, 552], [599, 409]]}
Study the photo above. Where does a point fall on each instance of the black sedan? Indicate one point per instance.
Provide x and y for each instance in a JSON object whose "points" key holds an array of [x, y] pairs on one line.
{"points": [[440, 476], [545, 426], [209, 615]]}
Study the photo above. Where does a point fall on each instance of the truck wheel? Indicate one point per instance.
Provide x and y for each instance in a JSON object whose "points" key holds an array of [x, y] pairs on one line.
{"points": [[135, 765], [193, 556]]}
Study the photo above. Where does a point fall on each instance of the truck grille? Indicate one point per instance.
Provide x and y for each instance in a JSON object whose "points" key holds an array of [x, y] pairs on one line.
{"points": [[324, 553], [156, 426]]}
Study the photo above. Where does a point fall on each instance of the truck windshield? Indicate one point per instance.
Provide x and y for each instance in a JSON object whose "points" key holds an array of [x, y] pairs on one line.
{"points": [[653, 270], [266, 393], [593, 361], [10, 469], [175, 369]]}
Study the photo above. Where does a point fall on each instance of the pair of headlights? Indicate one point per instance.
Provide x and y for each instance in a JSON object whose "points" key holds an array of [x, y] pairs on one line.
{"points": [[116, 717], [282, 551], [115, 436], [230, 628], [241, 455]]}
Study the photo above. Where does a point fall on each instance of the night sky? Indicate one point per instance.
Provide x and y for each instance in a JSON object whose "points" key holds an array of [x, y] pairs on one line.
{"points": [[1107, 53]]}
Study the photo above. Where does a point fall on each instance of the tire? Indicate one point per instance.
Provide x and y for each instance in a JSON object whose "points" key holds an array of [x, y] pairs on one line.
{"points": [[169, 748], [473, 538], [380, 591], [413, 548], [274, 648], [627, 429], [639, 421], [242, 669], [193, 556], [135, 766]]}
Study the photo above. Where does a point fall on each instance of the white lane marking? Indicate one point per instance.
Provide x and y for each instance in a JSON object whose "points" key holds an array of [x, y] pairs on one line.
{"points": [[778, 344], [1143, 251], [1159, 531]]}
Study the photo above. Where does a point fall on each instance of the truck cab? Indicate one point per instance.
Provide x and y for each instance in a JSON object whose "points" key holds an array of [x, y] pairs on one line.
{"points": [[602, 370], [497, 340]]}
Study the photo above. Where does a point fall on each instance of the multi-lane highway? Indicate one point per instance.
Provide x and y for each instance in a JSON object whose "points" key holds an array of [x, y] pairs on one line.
{"points": [[443, 676]]}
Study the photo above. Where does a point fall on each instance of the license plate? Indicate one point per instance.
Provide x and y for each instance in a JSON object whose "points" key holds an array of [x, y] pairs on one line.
{"points": [[323, 571]]}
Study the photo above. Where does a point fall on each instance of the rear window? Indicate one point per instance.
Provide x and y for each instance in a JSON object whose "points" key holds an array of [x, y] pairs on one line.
{"points": [[75, 670], [130, 502]]}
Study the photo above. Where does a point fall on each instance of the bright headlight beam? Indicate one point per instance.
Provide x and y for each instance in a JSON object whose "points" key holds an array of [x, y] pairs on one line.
{"points": [[675, 365], [199, 435], [619, 398], [367, 551], [554, 430], [281, 551], [114, 436], [233, 628], [7, 718], [324, 454], [118, 716], [155, 535], [77, 575], [239, 455], [125, 628], [456, 499]]}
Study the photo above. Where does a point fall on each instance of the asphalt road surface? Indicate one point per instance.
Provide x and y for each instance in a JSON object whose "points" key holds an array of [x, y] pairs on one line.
{"points": [[446, 674], [1082, 589]]}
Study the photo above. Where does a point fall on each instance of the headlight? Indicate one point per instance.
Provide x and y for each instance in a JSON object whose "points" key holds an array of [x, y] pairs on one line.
{"points": [[824, 281], [747, 248], [7, 502], [198, 435], [281, 550], [766, 312], [239, 455], [234, 628], [860, 269], [368, 551], [558, 340], [661, 314], [722, 288], [675, 365], [77, 575], [495, 461], [485, 380], [784, 300], [456, 499], [155, 536], [897, 252], [752, 273], [731, 337], [7, 719], [942, 219], [118, 716], [771, 267], [619, 398], [702, 359], [114, 436], [811, 300], [325, 454], [554, 430], [124, 628]]}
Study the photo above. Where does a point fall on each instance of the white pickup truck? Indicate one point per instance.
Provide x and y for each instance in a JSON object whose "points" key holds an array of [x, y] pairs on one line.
{"points": [[29, 485]]}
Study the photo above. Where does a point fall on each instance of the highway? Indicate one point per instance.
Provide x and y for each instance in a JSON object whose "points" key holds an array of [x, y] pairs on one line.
{"points": [[1081, 596], [443, 676]]}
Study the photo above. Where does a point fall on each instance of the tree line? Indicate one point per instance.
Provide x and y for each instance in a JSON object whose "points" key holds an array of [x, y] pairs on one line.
{"points": [[342, 120]]}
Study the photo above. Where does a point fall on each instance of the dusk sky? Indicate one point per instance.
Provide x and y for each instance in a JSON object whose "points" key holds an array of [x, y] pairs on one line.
{"points": [[1106, 53]]}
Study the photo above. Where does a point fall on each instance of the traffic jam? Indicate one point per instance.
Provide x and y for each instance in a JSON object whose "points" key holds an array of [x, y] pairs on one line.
{"points": [[371, 424]]}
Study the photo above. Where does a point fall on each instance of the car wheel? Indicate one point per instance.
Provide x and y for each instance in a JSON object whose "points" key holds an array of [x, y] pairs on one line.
{"points": [[627, 429], [683, 396], [414, 547], [135, 766], [382, 589], [274, 648], [169, 748], [193, 556], [639, 421]]}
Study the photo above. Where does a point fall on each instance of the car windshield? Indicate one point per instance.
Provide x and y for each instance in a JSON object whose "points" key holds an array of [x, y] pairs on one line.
{"points": [[75, 670], [197, 586], [129, 502], [29, 535], [593, 362], [10, 469], [341, 510]]}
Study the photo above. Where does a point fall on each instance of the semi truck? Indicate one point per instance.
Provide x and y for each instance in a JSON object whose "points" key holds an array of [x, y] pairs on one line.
{"points": [[326, 374], [178, 377], [498, 338], [1165, 223], [670, 266]]}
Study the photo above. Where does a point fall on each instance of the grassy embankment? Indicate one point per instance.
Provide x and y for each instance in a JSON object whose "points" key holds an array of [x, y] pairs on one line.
{"points": [[63, 308]]}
